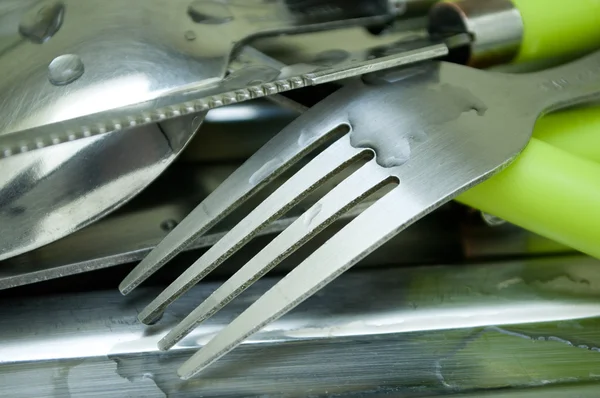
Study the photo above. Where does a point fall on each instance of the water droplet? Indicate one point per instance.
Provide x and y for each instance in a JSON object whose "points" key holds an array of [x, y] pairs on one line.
{"points": [[209, 12], [397, 157], [42, 22], [265, 171], [306, 138], [313, 212], [65, 69], [249, 76], [480, 109], [558, 339], [168, 225], [189, 35], [492, 220]]}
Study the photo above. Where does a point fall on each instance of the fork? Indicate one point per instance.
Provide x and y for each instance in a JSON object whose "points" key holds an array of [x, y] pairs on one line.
{"points": [[433, 130], [498, 16]]}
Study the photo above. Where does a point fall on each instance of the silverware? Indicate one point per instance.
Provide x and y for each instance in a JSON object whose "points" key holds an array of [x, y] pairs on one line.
{"points": [[250, 74], [128, 235], [434, 130], [76, 69], [402, 53], [50, 193], [411, 51], [29, 203]]}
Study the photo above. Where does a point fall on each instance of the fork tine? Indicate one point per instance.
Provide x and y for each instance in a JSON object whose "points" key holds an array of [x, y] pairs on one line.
{"points": [[322, 167], [377, 224], [363, 182], [296, 140]]}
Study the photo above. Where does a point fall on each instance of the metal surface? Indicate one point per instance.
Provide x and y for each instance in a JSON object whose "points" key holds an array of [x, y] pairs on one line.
{"points": [[253, 76], [130, 237], [441, 115], [496, 26], [40, 216], [52, 192], [520, 328], [129, 64], [130, 234], [176, 243]]}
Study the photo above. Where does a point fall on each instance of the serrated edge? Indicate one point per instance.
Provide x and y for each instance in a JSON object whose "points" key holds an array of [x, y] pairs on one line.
{"points": [[159, 115], [214, 101]]}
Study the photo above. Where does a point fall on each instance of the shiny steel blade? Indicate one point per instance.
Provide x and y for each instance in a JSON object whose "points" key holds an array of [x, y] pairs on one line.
{"points": [[323, 166], [350, 191], [196, 95], [295, 141]]}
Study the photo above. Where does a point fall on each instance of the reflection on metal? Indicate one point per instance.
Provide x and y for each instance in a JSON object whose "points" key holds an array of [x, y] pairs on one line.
{"points": [[128, 235], [52, 192], [496, 27], [528, 325], [130, 52]]}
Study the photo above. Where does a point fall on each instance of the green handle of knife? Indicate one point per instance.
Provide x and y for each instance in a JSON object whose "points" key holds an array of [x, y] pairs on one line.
{"points": [[553, 187], [553, 28]]}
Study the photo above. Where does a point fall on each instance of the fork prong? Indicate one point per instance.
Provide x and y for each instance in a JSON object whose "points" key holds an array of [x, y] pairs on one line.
{"points": [[297, 139], [377, 224], [323, 166], [363, 182]]}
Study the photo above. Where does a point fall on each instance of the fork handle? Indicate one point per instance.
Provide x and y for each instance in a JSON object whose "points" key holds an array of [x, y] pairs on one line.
{"points": [[569, 84], [552, 188], [548, 191], [575, 130], [558, 28]]}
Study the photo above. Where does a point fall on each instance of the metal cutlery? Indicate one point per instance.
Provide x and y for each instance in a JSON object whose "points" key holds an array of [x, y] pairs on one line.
{"points": [[251, 74], [128, 235], [477, 19], [446, 115], [435, 130], [77, 69], [33, 214], [52, 192]]}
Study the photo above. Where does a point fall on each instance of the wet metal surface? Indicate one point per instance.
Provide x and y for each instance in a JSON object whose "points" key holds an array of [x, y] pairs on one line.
{"points": [[425, 331]]}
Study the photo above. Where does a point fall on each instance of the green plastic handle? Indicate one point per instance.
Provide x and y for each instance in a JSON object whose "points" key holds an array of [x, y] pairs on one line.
{"points": [[547, 189], [576, 131], [554, 28]]}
